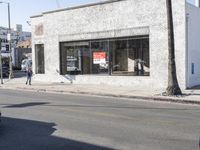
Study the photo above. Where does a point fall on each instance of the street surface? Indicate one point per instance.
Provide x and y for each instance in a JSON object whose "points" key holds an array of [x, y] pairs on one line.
{"points": [[41, 121]]}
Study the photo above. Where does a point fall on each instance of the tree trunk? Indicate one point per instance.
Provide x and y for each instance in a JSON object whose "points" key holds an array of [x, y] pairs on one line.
{"points": [[173, 87]]}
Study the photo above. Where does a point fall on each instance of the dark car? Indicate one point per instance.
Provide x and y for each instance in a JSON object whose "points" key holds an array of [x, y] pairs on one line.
{"points": [[5, 70]]}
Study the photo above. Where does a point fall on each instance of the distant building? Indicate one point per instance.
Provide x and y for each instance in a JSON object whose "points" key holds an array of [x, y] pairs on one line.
{"points": [[117, 42], [24, 44], [22, 51], [17, 36]]}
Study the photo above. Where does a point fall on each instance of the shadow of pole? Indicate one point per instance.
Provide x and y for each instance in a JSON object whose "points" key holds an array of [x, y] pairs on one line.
{"points": [[70, 78], [26, 105]]}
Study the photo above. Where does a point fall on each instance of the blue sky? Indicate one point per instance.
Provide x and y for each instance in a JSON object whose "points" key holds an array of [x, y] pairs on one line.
{"points": [[21, 10]]}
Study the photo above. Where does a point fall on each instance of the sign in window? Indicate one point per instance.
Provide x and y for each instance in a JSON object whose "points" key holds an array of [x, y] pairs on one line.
{"points": [[99, 58]]}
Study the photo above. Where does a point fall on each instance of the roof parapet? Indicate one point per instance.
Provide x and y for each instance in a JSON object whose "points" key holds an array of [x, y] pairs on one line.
{"points": [[77, 7]]}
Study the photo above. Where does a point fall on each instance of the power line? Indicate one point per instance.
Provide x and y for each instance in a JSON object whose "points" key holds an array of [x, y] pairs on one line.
{"points": [[58, 4]]}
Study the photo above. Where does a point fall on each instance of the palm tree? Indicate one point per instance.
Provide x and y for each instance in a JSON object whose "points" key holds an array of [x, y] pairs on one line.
{"points": [[173, 86]]}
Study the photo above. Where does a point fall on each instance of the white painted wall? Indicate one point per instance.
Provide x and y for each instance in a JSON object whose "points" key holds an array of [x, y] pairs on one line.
{"points": [[193, 30], [110, 20], [197, 3], [38, 40]]}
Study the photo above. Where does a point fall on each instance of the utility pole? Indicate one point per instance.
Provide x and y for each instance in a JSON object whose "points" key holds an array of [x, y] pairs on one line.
{"points": [[58, 4], [9, 39]]}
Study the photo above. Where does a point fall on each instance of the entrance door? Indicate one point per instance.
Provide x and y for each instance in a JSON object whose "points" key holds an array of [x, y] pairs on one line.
{"points": [[39, 58]]}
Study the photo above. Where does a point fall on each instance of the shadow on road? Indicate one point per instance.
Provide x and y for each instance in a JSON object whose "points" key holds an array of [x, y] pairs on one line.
{"points": [[18, 134]]}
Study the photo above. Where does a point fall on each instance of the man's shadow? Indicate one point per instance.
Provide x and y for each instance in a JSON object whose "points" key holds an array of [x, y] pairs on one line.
{"points": [[19, 134]]}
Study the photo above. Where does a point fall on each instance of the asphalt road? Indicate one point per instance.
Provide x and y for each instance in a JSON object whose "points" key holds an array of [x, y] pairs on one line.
{"points": [[39, 121]]}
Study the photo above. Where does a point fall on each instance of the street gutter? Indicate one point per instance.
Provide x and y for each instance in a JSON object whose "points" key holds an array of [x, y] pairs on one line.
{"points": [[147, 98]]}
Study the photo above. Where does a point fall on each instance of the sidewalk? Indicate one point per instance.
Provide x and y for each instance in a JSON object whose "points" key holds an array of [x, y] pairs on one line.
{"points": [[189, 96]]}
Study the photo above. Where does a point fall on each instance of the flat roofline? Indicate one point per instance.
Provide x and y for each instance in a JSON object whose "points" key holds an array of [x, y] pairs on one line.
{"points": [[36, 16], [77, 7]]}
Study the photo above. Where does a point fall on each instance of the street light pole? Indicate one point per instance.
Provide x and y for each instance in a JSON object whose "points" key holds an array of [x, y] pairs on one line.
{"points": [[9, 40]]}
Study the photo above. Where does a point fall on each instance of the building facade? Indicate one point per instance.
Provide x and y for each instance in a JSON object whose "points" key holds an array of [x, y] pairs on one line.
{"points": [[115, 42]]}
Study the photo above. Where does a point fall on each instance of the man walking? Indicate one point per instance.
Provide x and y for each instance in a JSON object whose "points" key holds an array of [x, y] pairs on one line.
{"points": [[29, 75]]}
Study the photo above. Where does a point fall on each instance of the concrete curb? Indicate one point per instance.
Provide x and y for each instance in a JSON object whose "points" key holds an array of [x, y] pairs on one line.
{"points": [[147, 98]]}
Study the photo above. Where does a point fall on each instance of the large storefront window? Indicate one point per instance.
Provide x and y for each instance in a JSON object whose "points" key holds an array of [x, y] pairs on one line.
{"points": [[119, 56], [75, 58], [39, 55], [130, 57], [125, 56]]}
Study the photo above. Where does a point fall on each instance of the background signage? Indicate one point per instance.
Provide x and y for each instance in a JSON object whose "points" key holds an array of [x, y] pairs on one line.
{"points": [[99, 57]]}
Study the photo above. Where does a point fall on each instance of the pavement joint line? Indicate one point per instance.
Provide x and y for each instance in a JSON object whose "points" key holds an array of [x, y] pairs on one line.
{"points": [[149, 98]]}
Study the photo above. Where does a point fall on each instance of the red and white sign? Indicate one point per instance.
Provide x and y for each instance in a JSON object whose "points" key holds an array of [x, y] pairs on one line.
{"points": [[99, 57]]}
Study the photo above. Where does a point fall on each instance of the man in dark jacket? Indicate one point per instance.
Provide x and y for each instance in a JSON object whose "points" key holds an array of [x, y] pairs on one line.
{"points": [[29, 75]]}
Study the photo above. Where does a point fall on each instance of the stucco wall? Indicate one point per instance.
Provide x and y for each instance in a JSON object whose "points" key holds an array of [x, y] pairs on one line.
{"points": [[193, 32], [36, 39], [117, 19]]}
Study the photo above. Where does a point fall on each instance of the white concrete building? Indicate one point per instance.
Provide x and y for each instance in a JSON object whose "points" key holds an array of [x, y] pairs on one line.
{"points": [[116, 42]]}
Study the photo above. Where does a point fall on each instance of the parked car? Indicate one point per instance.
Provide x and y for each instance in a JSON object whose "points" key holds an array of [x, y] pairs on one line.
{"points": [[26, 63], [5, 70]]}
